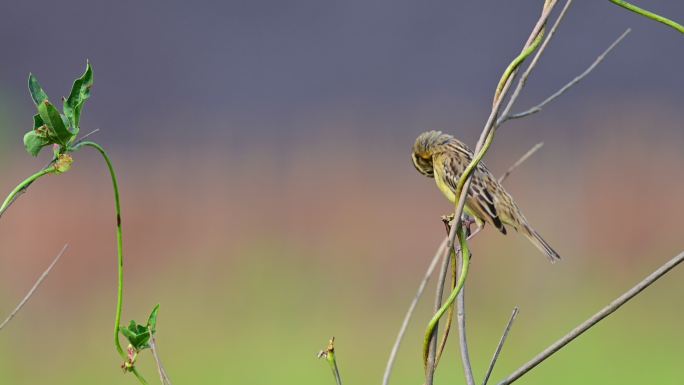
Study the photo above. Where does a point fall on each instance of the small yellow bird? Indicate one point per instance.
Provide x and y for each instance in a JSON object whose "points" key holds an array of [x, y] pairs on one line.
{"points": [[444, 158]]}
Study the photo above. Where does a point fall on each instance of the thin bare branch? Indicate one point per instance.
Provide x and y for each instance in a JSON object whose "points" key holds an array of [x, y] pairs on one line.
{"points": [[497, 352], [463, 341], [593, 320], [409, 314], [520, 161], [84, 137], [33, 289], [431, 360], [574, 81], [523, 79], [165, 380]]}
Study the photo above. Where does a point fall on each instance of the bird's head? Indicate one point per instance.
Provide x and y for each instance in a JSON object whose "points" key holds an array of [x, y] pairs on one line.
{"points": [[427, 145]]}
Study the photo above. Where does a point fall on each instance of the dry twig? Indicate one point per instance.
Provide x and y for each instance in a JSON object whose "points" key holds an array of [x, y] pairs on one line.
{"points": [[497, 352], [411, 309], [165, 380], [520, 161], [33, 289], [574, 81], [462, 338], [431, 359], [523, 79], [593, 320]]}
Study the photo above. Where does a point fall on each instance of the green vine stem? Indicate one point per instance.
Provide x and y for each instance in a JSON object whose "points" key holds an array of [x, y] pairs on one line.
{"points": [[491, 126], [465, 250], [139, 376], [516, 63], [119, 251], [23, 186], [119, 242], [650, 15], [463, 184], [329, 354], [452, 310]]}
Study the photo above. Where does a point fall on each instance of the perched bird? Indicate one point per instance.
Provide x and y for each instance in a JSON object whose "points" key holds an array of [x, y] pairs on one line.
{"points": [[444, 158]]}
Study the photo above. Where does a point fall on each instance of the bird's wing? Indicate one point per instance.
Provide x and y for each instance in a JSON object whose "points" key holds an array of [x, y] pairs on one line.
{"points": [[479, 196], [485, 199]]}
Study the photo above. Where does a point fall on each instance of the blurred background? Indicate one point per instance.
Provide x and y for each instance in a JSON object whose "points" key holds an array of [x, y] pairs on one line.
{"points": [[269, 201]]}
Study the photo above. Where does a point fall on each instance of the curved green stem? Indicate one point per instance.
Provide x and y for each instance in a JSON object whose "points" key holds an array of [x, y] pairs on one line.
{"points": [[23, 186], [517, 61], [465, 250], [119, 250], [473, 163], [450, 316], [139, 376], [119, 243], [648, 14]]}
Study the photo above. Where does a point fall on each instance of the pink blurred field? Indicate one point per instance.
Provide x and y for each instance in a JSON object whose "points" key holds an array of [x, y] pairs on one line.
{"points": [[264, 251]]}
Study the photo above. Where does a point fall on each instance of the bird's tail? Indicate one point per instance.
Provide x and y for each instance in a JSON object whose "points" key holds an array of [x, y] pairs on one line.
{"points": [[541, 244]]}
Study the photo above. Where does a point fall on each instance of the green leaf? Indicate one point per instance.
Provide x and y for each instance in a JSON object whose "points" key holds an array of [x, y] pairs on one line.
{"points": [[140, 329], [127, 333], [152, 320], [34, 141], [37, 93], [57, 131], [80, 92], [138, 335], [143, 340], [37, 138], [37, 121]]}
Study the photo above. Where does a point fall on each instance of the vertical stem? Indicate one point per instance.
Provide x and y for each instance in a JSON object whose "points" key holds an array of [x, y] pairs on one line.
{"points": [[430, 344], [409, 312], [329, 354], [452, 297], [460, 315], [119, 247], [450, 315]]}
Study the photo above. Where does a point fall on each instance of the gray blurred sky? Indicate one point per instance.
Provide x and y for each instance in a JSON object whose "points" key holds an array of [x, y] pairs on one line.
{"points": [[265, 68]]}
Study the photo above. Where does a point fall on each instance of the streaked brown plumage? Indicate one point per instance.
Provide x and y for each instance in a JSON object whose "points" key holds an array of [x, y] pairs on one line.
{"points": [[444, 158]]}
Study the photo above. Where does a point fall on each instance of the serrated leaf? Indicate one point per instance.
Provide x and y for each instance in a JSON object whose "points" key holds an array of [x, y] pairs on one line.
{"points": [[152, 320], [37, 93], [57, 131], [80, 92], [34, 142]]}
